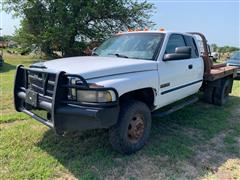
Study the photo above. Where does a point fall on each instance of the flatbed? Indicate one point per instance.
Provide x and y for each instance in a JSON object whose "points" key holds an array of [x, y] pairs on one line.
{"points": [[221, 72]]}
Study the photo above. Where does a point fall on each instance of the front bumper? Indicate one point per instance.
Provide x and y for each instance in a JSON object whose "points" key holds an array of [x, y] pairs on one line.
{"points": [[55, 110]]}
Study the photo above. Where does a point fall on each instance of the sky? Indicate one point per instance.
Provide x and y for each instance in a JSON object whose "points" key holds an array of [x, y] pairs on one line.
{"points": [[219, 20]]}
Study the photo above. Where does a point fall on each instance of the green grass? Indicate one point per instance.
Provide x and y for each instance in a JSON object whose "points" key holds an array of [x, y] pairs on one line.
{"points": [[185, 144], [7, 74]]}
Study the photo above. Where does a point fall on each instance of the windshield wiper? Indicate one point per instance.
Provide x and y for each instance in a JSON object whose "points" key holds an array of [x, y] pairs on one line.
{"points": [[119, 55]]}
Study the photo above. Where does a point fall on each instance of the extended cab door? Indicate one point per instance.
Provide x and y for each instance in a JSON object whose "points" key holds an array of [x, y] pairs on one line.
{"points": [[179, 78]]}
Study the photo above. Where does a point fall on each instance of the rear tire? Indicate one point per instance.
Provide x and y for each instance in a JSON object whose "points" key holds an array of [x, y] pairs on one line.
{"points": [[132, 129], [220, 94], [208, 94]]}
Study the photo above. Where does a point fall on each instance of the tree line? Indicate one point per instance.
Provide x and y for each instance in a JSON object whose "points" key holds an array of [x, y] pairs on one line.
{"points": [[224, 49], [69, 26]]}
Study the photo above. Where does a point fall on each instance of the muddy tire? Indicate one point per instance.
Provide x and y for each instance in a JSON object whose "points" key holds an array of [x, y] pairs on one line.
{"points": [[220, 94], [132, 129]]}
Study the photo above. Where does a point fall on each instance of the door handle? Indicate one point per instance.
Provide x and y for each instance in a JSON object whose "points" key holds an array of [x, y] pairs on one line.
{"points": [[190, 66]]}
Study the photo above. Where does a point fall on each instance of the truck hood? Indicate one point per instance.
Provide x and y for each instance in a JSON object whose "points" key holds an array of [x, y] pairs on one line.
{"points": [[95, 66]]}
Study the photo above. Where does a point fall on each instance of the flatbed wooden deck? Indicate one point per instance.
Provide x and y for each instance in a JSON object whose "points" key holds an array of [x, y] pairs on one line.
{"points": [[220, 72]]}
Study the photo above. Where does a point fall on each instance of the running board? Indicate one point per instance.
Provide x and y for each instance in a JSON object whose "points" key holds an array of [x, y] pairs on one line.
{"points": [[176, 107]]}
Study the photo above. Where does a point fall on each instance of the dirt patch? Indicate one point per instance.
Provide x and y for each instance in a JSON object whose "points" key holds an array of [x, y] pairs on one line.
{"points": [[210, 160], [213, 157], [142, 168], [208, 155], [64, 176]]}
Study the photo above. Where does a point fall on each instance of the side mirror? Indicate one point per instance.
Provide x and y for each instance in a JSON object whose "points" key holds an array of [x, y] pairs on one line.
{"points": [[93, 51], [180, 53]]}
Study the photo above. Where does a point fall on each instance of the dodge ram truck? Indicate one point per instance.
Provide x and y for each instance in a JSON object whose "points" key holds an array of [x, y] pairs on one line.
{"points": [[120, 87]]}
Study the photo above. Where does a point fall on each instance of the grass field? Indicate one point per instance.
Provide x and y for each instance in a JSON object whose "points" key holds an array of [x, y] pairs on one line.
{"points": [[201, 141]]}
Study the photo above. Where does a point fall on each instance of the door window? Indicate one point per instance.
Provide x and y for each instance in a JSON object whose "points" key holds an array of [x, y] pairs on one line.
{"points": [[175, 40], [191, 42]]}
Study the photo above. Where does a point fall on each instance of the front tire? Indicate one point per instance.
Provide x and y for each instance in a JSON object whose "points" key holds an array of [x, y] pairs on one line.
{"points": [[132, 129]]}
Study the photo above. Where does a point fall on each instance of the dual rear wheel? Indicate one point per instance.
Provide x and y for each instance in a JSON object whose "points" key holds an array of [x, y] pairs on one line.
{"points": [[218, 95]]}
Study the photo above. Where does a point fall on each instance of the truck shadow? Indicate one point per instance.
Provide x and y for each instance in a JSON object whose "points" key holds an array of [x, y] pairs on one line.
{"points": [[183, 144], [6, 67]]}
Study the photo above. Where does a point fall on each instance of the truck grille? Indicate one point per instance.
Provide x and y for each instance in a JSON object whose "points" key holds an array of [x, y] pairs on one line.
{"points": [[42, 83]]}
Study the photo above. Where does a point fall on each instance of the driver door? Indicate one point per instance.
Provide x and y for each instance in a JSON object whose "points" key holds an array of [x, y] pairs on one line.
{"points": [[178, 78]]}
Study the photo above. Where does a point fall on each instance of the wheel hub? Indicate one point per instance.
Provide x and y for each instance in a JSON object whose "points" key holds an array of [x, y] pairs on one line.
{"points": [[136, 128]]}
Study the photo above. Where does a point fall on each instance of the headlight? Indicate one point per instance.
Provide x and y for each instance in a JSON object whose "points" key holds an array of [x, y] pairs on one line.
{"points": [[96, 96], [93, 95]]}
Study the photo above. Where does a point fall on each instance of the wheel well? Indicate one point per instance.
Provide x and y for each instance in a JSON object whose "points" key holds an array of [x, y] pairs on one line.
{"points": [[145, 95]]}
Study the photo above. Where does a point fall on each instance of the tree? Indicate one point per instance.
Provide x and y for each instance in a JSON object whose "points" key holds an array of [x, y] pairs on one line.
{"points": [[7, 38], [227, 49], [214, 47], [66, 25], [224, 49]]}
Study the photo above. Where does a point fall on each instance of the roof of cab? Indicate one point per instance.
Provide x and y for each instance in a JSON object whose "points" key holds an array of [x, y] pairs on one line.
{"points": [[153, 31]]}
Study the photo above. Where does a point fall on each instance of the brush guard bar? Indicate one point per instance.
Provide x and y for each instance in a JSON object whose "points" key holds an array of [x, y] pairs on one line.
{"points": [[62, 114]]}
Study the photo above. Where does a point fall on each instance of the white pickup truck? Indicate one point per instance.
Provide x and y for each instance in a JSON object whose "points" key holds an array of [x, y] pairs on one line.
{"points": [[119, 88]]}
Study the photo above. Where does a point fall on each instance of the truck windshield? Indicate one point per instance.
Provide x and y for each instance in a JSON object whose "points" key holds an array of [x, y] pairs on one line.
{"points": [[136, 45]]}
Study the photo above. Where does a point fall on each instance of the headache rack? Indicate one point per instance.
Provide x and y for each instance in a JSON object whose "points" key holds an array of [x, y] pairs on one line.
{"points": [[212, 71], [42, 94]]}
